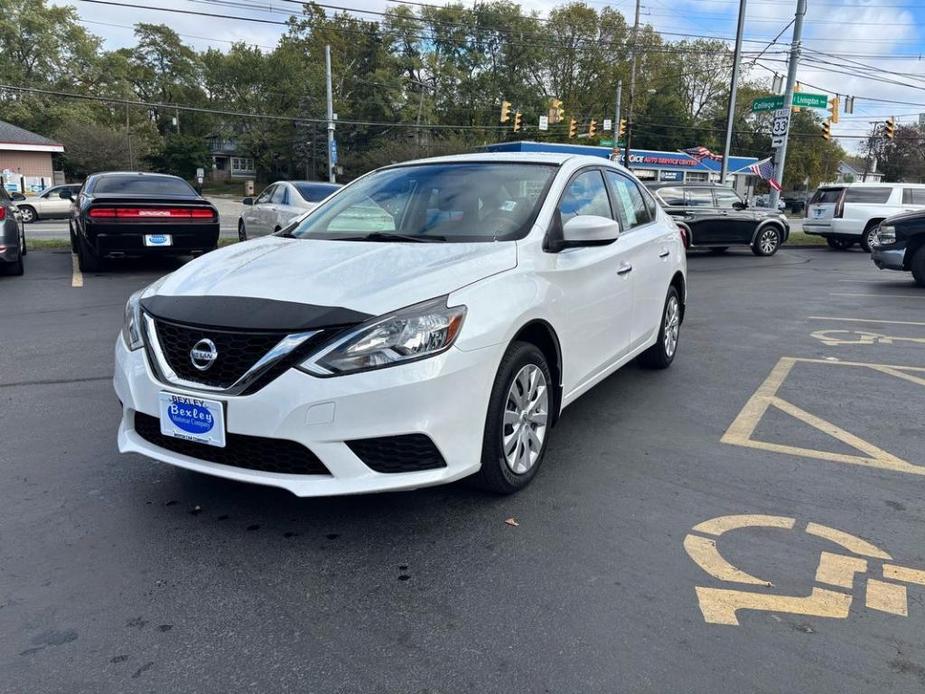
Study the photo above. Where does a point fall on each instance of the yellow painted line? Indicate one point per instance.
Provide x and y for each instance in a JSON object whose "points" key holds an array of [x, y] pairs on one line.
{"points": [[719, 606], [887, 597], [742, 429], [839, 570], [892, 371], [901, 573], [866, 320], [882, 296], [852, 543], [77, 277], [704, 553], [723, 524]]}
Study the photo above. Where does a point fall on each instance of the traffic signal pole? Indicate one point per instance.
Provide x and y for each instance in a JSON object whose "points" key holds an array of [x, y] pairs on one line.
{"points": [[780, 156], [733, 89], [327, 78], [629, 110]]}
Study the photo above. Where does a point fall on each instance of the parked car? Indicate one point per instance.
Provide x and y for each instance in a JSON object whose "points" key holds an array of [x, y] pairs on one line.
{"points": [[899, 244], [50, 204], [12, 236], [131, 214], [715, 217], [428, 322], [849, 213], [279, 205]]}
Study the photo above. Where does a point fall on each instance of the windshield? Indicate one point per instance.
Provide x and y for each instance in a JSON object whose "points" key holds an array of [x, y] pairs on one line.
{"points": [[142, 185], [315, 192], [434, 202]]}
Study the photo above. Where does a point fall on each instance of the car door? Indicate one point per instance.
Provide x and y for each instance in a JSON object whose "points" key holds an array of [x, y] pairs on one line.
{"points": [[647, 246], [262, 216], [594, 288], [284, 211], [52, 204], [701, 214], [736, 224]]}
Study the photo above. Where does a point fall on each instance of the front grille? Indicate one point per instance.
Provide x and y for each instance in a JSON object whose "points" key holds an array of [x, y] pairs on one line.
{"points": [[408, 453], [237, 351], [248, 452]]}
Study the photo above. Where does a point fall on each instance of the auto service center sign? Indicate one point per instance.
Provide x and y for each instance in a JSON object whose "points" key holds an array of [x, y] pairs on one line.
{"points": [[660, 160]]}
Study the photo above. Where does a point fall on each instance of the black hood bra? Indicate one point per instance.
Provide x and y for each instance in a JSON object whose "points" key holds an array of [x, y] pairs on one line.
{"points": [[250, 313]]}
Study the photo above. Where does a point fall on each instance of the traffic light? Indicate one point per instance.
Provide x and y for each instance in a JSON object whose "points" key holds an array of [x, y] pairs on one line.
{"points": [[572, 128], [796, 89], [834, 105], [505, 111], [827, 131], [555, 111], [622, 131], [518, 118], [889, 128], [592, 128]]}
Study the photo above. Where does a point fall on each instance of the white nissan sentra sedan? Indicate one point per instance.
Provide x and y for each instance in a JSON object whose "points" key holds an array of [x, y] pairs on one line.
{"points": [[429, 321]]}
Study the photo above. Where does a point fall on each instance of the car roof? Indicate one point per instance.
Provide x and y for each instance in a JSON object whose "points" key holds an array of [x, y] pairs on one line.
{"points": [[553, 158], [692, 184], [872, 184]]}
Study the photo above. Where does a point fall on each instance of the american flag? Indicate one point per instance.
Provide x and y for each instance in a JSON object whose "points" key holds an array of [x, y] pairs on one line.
{"points": [[701, 153], [765, 169]]}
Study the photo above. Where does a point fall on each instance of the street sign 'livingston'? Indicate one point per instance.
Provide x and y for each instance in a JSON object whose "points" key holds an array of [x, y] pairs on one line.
{"points": [[804, 99]]}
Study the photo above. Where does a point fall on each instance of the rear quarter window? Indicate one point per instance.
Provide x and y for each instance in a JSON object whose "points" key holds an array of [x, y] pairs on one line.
{"points": [[876, 196]]}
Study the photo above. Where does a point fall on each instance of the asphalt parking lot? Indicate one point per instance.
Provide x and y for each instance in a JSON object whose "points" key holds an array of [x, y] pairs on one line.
{"points": [[750, 520]]}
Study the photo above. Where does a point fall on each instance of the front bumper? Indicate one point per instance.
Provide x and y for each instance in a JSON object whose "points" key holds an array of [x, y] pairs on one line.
{"points": [[888, 257], [444, 397]]}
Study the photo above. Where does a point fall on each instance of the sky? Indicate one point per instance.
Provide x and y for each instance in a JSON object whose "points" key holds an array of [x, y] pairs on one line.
{"points": [[884, 36]]}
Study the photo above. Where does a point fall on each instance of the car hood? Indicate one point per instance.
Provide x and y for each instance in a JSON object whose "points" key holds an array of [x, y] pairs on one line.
{"points": [[914, 217], [368, 277]]}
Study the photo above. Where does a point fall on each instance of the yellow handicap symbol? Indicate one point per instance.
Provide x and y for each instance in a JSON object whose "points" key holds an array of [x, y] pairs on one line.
{"points": [[835, 570], [832, 338]]}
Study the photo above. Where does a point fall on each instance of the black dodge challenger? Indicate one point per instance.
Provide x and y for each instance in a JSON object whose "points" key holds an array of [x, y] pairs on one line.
{"points": [[130, 214]]}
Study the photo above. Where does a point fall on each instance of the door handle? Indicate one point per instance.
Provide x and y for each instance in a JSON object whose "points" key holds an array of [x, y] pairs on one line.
{"points": [[664, 254], [625, 269]]}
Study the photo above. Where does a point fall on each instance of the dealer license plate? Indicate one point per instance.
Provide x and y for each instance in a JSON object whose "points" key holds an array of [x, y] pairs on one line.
{"points": [[193, 419]]}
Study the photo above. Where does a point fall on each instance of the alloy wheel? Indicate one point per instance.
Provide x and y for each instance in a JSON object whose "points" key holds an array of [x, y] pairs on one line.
{"points": [[526, 412], [768, 241], [672, 326], [28, 214]]}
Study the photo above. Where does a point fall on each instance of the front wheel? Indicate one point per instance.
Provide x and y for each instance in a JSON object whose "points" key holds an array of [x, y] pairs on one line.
{"points": [[661, 354], [767, 243], [837, 244], [918, 267], [517, 422], [28, 214]]}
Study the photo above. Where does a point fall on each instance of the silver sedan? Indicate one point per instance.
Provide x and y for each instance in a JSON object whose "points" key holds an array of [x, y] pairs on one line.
{"points": [[280, 204]]}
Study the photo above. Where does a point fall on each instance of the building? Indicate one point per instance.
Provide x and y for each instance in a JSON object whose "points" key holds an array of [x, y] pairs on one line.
{"points": [[227, 163], [648, 165], [26, 164], [848, 173]]}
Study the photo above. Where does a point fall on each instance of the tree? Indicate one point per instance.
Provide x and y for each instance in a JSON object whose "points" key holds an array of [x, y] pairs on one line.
{"points": [[180, 156], [90, 147], [903, 157]]}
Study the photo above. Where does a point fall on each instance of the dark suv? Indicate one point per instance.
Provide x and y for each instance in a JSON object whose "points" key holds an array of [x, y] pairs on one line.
{"points": [[899, 244], [715, 217]]}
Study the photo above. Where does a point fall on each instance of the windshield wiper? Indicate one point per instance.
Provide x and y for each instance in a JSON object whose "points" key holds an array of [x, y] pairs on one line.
{"points": [[386, 236]]}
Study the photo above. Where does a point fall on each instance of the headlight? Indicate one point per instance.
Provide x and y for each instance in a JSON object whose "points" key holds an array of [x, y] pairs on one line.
{"points": [[131, 323], [412, 333], [885, 236]]}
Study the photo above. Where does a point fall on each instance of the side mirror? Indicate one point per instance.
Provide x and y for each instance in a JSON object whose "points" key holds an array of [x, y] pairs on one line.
{"points": [[247, 201], [17, 197], [66, 194], [739, 205], [589, 230]]}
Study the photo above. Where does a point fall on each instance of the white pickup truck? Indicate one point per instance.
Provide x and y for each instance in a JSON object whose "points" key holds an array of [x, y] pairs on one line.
{"points": [[848, 213]]}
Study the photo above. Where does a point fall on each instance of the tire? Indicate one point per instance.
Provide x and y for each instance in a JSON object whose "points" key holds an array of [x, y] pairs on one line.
{"points": [[719, 250], [868, 234], [662, 353], [918, 267], [523, 365], [767, 243], [837, 244], [87, 260], [16, 269], [242, 232], [70, 229], [28, 214], [22, 243]]}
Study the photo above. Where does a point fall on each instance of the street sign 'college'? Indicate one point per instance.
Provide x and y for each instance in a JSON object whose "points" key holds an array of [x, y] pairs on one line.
{"points": [[804, 99]]}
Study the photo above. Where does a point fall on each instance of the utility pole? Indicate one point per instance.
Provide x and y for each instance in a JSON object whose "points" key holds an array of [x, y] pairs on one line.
{"points": [[177, 116], [629, 110], [327, 76], [780, 157], [128, 137], [733, 88], [616, 119]]}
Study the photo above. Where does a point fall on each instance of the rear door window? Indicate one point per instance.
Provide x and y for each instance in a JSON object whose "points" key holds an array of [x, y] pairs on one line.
{"points": [[631, 206], [726, 199], [280, 196], [699, 197], [876, 196]]}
